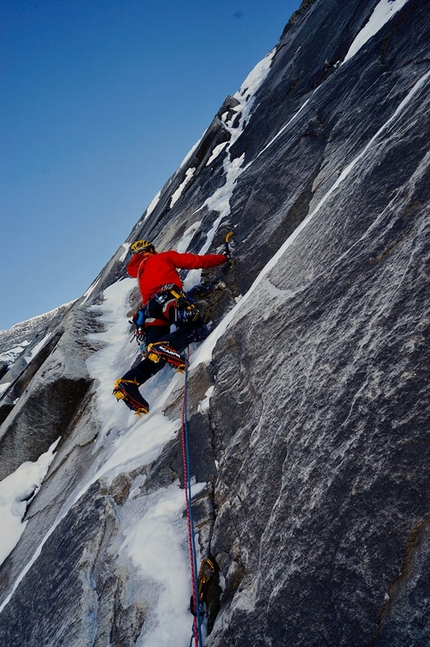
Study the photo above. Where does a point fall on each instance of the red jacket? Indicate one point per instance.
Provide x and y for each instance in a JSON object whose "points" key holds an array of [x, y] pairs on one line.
{"points": [[155, 270]]}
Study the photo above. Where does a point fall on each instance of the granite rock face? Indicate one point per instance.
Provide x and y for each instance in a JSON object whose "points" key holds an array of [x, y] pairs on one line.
{"points": [[314, 443]]}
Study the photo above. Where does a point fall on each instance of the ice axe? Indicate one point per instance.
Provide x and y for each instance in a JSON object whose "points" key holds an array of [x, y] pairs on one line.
{"points": [[227, 249]]}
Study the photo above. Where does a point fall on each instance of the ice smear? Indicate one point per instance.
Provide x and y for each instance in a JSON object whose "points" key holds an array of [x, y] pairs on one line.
{"points": [[177, 194], [152, 206], [90, 290], [382, 13], [4, 387], [187, 237], [16, 491], [289, 122], [203, 406], [220, 200], [216, 151], [37, 348], [256, 77], [190, 153], [126, 247], [112, 361], [156, 544]]}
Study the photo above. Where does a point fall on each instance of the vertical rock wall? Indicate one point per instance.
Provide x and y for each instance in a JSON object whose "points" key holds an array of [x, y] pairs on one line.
{"points": [[313, 446]]}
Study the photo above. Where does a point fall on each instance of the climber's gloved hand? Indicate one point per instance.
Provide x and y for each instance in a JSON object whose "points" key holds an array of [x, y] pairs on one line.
{"points": [[229, 262]]}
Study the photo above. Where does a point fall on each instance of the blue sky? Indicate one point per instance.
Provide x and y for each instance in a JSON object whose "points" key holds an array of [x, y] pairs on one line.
{"points": [[100, 102]]}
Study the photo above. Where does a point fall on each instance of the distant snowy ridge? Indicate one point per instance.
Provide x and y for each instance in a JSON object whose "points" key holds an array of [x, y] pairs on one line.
{"points": [[25, 327]]}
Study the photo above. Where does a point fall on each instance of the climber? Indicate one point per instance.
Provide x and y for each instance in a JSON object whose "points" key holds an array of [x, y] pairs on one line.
{"points": [[169, 319]]}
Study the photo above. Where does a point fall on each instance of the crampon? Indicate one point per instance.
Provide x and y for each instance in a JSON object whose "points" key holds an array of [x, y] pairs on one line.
{"points": [[160, 350], [128, 392]]}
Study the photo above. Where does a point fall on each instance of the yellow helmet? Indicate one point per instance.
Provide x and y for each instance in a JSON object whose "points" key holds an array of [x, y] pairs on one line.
{"points": [[142, 246]]}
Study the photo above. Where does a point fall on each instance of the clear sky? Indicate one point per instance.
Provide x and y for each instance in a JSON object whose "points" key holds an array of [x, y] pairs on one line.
{"points": [[101, 100]]}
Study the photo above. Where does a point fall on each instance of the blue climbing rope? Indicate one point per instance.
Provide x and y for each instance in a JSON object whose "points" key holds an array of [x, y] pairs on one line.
{"points": [[197, 631]]}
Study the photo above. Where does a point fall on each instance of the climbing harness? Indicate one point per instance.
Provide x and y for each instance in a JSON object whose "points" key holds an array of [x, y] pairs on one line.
{"points": [[169, 306], [186, 310], [197, 624]]}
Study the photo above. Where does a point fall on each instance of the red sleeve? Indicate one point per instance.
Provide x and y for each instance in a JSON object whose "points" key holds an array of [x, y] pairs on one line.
{"points": [[194, 261], [133, 265]]}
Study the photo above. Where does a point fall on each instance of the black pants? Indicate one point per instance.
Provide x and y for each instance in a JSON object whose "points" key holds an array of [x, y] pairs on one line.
{"points": [[160, 317]]}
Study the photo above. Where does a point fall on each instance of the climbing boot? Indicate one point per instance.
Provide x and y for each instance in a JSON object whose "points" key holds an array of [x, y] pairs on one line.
{"points": [[128, 391], [161, 350]]}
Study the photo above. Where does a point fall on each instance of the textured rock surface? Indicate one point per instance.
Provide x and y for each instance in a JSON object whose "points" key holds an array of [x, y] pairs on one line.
{"points": [[314, 448]]}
